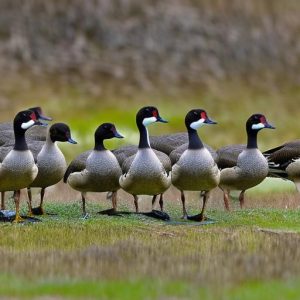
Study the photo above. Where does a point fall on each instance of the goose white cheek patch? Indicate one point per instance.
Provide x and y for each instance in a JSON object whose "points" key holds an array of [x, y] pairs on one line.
{"points": [[197, 124], [148, 121], [258, 126], [27, 125]]}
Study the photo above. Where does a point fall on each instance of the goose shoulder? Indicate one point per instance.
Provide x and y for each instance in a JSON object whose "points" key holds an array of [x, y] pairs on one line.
{"points": [[169, 142], [124, 152], [227, 156]]}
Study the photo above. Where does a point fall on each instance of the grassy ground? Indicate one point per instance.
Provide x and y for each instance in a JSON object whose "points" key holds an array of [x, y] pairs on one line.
{"points": [[245, 254]]}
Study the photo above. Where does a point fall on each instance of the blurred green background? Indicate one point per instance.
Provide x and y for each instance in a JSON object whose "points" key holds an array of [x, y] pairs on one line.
{"points": [[88, 62]]}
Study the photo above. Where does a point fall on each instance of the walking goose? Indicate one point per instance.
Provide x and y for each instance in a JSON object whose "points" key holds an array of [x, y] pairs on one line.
{"points": [[18, 169], [146, 174], [251, 166], [51, 163], [196, 169], [284, 162], [102, 170]]}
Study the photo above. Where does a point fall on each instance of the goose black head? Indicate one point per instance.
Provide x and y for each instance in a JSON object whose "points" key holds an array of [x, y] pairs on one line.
{"points": [[257, 122], [107, 131], [24, 120], [60, 132], [196, 118], [104, 132], [148, 115]]}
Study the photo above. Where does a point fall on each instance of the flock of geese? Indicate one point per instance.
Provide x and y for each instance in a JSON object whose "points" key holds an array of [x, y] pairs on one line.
{"points": [[30, 158]]}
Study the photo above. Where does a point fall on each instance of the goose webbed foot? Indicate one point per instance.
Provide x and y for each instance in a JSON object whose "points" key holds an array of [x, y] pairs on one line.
{"points": [[156, 214], [198, 218]]}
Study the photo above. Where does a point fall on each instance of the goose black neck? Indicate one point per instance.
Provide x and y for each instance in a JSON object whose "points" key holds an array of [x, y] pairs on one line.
{"points": [[20, 141], [99, 145], [144, 139], [252, 139], [194, 140]]}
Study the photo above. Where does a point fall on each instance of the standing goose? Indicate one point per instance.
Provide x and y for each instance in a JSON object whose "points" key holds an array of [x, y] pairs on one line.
{"points": [[51, 163], [146, 174], [18, 169], [251, 167], [196, 169], [284, 162], [102, 170]]}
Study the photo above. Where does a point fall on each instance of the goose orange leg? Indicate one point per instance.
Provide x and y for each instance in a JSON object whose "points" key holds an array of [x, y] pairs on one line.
{"points": [[18, 218], [226, 199]]}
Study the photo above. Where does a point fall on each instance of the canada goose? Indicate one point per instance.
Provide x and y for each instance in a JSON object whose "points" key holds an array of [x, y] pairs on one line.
{"points": [[284, 162], [18, 169], [51, 163], [102, 170], [146, 174], [251, 167], [196, 169]]}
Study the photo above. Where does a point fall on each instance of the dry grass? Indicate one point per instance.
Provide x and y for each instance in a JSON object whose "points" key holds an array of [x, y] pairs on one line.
{"points": [[232, 251]]}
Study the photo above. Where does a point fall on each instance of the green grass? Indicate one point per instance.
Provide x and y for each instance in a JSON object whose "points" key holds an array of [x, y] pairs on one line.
{"points": [[144, 289]]}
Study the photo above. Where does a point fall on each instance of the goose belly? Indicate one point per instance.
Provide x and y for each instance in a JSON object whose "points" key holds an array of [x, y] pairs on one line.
{"points": [[146, 175], [101, 175], [293, 170], [251, 170], [51, 170], [17, 171], [195, 171]]}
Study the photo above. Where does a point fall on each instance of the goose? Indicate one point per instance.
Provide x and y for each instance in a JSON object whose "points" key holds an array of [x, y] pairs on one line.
{"points": [[146, 174], [173, 145], [227, 156], [18, 169], [251, 166], [102, 170], [284, 162], [196, 169], [51, 163]]}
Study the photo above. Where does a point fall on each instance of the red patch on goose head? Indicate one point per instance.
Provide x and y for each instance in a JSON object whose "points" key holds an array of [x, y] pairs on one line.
{"points": [[263, 120], [203, 115], [155, 113], [33, 116]]}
